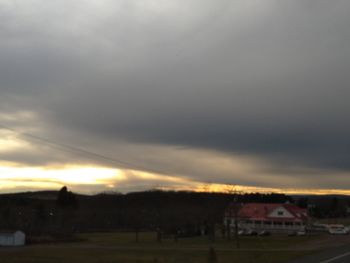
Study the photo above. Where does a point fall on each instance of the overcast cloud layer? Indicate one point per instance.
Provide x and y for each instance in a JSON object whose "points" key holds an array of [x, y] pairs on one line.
{"points": [[258, 89]]}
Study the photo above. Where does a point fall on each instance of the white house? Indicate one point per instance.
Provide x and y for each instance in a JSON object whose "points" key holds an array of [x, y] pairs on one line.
{"points": [[271, 217], [12, 238]]}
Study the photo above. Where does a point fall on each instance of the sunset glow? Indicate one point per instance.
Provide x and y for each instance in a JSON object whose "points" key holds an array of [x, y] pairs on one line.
{"points": [[88, 178], [12, 178]]}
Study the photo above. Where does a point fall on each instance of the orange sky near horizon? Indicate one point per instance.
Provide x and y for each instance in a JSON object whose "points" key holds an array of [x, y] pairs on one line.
{"points": [[90, 179]]}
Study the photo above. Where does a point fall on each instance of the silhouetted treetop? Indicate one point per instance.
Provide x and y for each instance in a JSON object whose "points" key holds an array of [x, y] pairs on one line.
{"points": [[66, 198]]}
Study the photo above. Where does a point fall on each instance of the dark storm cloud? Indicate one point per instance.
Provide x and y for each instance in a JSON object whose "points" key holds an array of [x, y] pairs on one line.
{"points": [[267, 79]]}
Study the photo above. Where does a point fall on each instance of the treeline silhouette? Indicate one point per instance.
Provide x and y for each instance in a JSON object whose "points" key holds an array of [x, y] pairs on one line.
{"points": [[169, 213], [177, 213]]}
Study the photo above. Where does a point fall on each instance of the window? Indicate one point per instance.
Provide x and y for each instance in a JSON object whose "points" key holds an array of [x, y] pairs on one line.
{"points": [[280, 213]]}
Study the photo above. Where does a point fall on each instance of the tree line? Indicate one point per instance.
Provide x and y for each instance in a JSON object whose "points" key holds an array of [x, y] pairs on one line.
{"points": [[169, 213]]}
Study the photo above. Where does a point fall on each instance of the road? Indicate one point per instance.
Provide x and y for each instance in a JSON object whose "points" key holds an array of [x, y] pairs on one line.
{"points": [[334, 255]]}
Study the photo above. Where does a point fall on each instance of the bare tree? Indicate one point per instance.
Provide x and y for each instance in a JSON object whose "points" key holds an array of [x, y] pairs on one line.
{"points": [[235, 206]]}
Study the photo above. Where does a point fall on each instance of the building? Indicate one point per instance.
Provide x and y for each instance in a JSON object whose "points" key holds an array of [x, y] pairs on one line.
{"points": [[12, 238], [270, 217]]}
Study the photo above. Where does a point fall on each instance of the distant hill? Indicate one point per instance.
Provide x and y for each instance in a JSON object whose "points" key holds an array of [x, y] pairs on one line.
{"points": [[39, 195]]}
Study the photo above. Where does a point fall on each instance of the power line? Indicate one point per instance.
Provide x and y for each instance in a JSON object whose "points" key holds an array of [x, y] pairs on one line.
{"points": [[73, 149]]}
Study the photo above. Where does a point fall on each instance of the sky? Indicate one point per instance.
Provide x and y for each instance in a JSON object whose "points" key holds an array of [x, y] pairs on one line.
{"points": [[127, 95]]}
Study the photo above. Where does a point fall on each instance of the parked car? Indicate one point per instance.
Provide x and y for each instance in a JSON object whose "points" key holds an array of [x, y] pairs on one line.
{"points": [[338, 230], [251, 232], [264, 233], [247, 232], [301, 233], [317, 227], [241, 232]]}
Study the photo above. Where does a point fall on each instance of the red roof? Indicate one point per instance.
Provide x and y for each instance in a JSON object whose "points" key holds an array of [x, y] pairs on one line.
{"points": [[262, 211]]}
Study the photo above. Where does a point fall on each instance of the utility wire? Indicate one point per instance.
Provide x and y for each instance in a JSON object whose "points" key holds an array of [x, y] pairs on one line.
{"points": [[72, 149]]}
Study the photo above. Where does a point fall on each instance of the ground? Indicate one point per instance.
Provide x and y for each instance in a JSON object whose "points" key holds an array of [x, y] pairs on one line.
{"points": [[344, 221], [121, 247]]}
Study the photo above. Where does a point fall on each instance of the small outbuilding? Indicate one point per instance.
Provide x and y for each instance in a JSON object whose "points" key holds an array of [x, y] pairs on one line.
{"points": [[12, 238]]}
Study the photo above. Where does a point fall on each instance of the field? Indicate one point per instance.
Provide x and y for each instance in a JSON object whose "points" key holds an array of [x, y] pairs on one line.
{"points": [[343, 221], [122, 248]]}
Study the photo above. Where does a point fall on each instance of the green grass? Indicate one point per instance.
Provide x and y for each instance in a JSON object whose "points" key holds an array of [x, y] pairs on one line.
{"points": [[121, 247], [344, 221], [148, 239], [71, 255]]}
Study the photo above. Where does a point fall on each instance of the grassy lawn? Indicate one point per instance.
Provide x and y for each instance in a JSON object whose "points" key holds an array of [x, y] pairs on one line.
{"points": [[148, 239], [85, 255], [343, 221], [121, 247]]}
